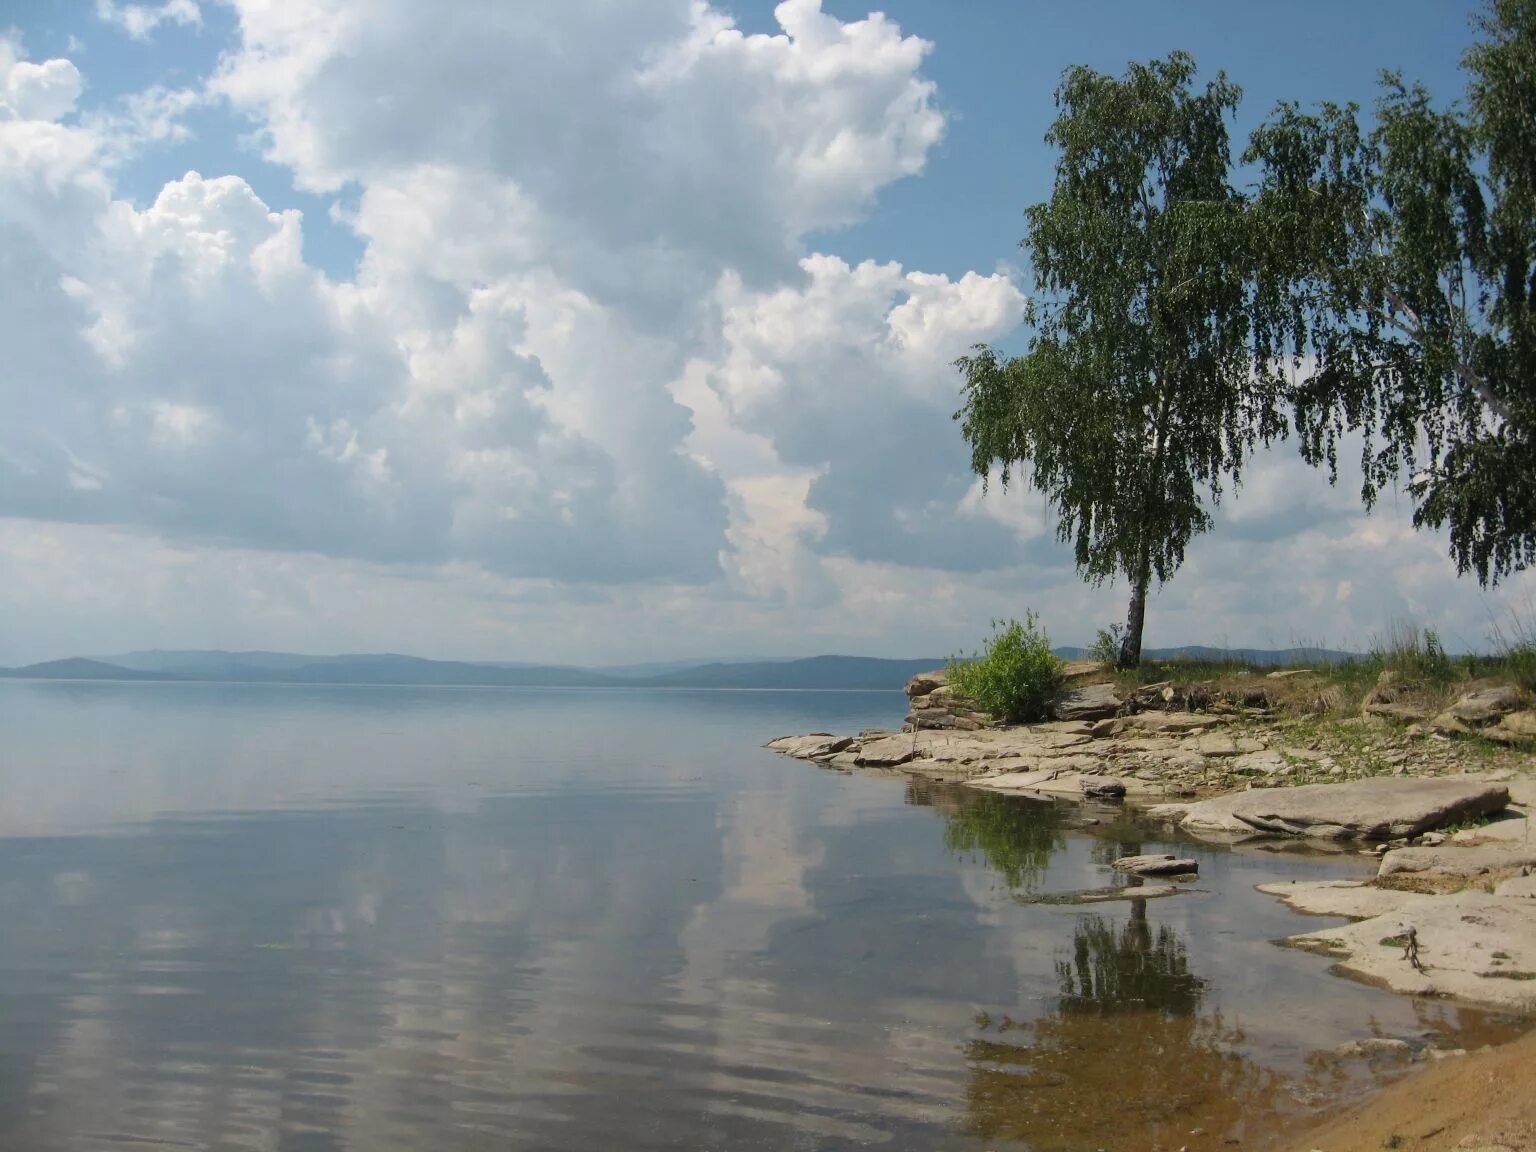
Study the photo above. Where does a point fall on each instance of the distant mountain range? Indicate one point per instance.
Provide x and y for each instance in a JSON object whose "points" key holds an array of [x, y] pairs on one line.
{"points": [[818, 672]]}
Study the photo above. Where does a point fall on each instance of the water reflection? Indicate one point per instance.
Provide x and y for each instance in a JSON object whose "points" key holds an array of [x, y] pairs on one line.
{"points": [[1017, 837], [261, 919], [1127, 968], [1124, 1061]]}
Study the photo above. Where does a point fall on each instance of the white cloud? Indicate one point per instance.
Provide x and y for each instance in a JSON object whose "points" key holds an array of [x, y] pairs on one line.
{"points": [[591, 392], [141, 20]]}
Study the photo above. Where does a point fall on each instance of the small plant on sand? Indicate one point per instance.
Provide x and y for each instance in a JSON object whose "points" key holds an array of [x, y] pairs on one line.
{"points": [[1015, 676]]}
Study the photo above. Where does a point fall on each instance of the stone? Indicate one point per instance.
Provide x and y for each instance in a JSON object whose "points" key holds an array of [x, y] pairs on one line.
{"points": [[1102, 787], [1486, 706], [1206, 816], [1079, 670], [1288, 673], [1157, 864], [1515, 728], [1172, 722], [1263, 763], [1432, 839], [811, 747], [889, 752], [925, 682], [1372, 809], [1460, 862], [1457, 937], [1088, 702], [1448, 723], [1522, 886]]}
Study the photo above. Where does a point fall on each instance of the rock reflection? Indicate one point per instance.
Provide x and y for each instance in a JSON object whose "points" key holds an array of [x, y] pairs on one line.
{"points": [[1124, 1061]]}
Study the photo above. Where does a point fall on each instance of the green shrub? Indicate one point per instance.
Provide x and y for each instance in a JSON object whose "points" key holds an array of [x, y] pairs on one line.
{"points": [[1106, 648], [1015, 677]]}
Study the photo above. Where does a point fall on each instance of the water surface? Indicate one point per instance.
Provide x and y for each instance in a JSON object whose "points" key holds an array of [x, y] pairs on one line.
{"points": [[243, 917]]}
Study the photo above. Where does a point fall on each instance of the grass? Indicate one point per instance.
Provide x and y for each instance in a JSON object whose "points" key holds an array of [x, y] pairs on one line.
{"points": [[1515, 644]]}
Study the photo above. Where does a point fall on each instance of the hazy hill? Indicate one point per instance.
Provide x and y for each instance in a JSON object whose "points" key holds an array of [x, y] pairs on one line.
{"points": [[80, 668], [823, 672]]}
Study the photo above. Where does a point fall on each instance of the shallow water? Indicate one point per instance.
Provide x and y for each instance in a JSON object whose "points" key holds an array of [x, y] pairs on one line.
{"points": [[314, 918]]}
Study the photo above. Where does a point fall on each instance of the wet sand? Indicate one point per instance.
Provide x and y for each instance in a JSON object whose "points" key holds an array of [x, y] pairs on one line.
{"points": [[1484, 1101]]}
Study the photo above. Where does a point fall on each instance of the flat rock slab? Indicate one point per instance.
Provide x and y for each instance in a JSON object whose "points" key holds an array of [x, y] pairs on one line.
{"points": [[1355, 899], [1473, 946], [1382, 808], [1157, 864], [886, 752], [1215, 815], [1458, 860], [1169, 722], [811, 747], [1090, 702], [1521, 886]]}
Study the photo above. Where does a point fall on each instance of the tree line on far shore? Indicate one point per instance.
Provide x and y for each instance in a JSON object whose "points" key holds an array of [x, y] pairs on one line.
{"points": [[1368, 279]]}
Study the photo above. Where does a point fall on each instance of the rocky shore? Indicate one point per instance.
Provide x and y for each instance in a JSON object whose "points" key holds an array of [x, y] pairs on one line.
{"points": [[1442, 795]]}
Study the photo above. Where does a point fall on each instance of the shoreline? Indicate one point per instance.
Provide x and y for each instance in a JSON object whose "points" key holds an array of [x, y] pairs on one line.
{"points": [[1447, 823]]}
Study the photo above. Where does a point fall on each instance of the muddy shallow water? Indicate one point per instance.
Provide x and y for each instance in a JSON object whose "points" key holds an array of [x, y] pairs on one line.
{"points": [[285, 918]]}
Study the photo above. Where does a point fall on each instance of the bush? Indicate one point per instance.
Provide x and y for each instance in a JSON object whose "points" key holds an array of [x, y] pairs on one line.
{"points": [[1106, 648], [1016, 676]]}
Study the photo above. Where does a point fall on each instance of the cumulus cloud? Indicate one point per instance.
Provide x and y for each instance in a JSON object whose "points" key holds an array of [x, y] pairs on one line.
{"points": [[590, 376], [542, 255]]}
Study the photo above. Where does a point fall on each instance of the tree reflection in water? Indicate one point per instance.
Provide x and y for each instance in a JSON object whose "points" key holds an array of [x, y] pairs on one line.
{"points": [[1017, 837], [1125, 1060]]}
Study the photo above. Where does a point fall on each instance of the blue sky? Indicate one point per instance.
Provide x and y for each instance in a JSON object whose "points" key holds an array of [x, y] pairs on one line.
{"points": [[995, 63], [524, 332]]}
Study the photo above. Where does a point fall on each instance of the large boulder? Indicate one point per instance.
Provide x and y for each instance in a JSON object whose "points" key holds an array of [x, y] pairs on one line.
{"points": [[1459, 862], [1087, 702], [1486, 706], [926, 682], [1383, 808], [886, 752]]}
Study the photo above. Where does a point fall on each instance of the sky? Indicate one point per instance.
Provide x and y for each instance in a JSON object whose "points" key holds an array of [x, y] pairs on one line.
{"points": [[596, 332]]}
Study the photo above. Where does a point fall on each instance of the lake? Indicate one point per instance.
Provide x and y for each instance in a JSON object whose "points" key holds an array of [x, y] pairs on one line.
{"points": [[314, 918]]}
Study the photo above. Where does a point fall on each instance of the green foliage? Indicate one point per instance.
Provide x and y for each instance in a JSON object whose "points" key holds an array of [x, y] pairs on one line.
{"points": [[1015, 677], [1138, 398], [1399, 271], [1018, 837], [1106, 646]]}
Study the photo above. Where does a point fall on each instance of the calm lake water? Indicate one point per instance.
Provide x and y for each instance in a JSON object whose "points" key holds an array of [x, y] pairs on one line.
{"points": [[315, 918]]}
